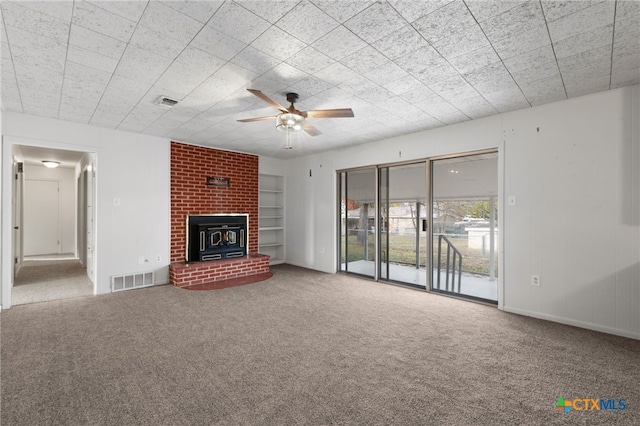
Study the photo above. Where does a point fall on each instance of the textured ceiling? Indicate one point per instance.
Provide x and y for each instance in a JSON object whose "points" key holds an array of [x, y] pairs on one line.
{"points": [[401, 65]]}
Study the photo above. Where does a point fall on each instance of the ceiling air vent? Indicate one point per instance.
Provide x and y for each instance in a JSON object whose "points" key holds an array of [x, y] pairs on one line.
{"points": [[166, 102]]}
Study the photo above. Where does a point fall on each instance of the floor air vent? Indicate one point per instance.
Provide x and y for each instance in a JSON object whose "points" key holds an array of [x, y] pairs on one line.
{"points": [[131, 281]]}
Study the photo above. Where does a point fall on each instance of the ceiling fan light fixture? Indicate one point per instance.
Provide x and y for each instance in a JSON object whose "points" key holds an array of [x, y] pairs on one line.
{"points": [[289, 122]]}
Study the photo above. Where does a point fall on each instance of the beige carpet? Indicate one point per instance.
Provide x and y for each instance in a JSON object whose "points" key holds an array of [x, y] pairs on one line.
{"points": [[43, 279], [303, 348]]}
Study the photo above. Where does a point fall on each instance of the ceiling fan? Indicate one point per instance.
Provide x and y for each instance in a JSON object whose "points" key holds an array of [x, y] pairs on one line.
{"points": [[292, 120]]}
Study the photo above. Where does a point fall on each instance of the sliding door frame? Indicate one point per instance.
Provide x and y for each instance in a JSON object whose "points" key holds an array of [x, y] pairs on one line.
{"points": [[379, 261], [500, 226], [429, 212], [339, 189]]}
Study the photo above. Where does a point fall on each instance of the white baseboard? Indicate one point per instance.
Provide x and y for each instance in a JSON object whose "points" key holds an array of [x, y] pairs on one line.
{"points": [[313, 268], [575, 323]]}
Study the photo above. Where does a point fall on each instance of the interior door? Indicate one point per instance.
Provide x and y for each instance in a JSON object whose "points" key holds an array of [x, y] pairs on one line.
{"points": [[41, 217], [90, 222], [82, 218], [18, 227]]}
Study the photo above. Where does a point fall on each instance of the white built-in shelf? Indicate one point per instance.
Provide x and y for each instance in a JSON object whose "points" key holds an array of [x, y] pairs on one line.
{"points": [[271, 217], [271, 245]]}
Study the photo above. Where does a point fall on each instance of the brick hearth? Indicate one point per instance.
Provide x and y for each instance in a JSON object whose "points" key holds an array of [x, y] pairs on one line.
{"points": [[184, 274]]}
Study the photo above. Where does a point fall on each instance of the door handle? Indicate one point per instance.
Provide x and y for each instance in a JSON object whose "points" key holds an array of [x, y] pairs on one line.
{"points": [[424, 225]]}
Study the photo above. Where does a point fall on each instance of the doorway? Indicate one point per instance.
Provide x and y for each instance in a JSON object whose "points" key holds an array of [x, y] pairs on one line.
{"points": [[50, 244], [430, 224]]}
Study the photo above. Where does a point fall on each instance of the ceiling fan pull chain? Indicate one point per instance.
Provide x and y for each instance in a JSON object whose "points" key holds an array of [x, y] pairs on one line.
{"points": [[287, 143]]}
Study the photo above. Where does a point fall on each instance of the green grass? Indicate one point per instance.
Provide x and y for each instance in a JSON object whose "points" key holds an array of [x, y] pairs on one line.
{"points": [[402, 251]]}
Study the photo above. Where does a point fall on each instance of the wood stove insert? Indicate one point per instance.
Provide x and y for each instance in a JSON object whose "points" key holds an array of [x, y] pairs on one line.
{"points": [[212, 237]]}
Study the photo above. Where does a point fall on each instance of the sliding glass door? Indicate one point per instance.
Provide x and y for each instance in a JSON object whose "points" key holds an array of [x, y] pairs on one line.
{"points": [[402, 224], [429, 224], [357, 250], [464, 230]]}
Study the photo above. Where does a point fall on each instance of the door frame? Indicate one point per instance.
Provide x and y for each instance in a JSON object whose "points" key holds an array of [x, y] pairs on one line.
{"points": [[8, 191]]}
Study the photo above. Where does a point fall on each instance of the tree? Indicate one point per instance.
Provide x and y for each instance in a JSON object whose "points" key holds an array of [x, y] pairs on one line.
{"points": [[480, 209], [363, 224]]}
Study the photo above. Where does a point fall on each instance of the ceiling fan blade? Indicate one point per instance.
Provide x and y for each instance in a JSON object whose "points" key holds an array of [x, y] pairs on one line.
{"points": [[329, 113], [267, 99], [248, 120], [310, 129]]}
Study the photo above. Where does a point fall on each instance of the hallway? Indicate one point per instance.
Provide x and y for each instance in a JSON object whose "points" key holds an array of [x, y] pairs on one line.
{"points": [[53, 277]]}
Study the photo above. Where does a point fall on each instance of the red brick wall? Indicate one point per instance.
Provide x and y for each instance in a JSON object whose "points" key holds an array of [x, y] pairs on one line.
{"points": [[183, 274], [190, 194]]}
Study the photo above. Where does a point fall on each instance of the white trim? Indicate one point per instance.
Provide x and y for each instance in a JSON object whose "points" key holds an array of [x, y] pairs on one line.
{"points": [[501, 227], [6, 222]]}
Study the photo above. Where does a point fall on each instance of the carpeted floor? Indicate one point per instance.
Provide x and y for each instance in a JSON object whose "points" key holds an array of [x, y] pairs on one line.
{"points": [[42, 279], [303, 348]]}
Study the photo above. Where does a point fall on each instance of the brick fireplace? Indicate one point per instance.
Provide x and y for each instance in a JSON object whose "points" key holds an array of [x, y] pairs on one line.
{"points": [[206, 181]]}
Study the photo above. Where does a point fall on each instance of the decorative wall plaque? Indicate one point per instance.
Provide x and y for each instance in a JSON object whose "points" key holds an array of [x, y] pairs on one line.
{"points": [[222, 182]]}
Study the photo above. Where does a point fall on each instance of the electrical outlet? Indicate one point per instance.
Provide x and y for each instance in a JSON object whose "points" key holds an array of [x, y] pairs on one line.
{"points": [[535, 280], [158, 258]]}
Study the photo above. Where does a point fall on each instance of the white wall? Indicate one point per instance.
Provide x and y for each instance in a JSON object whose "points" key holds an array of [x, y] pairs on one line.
{"points": [[3, 220], [271, 166], [133, 168], [577, 219], [67, 201], [575, 169]]}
